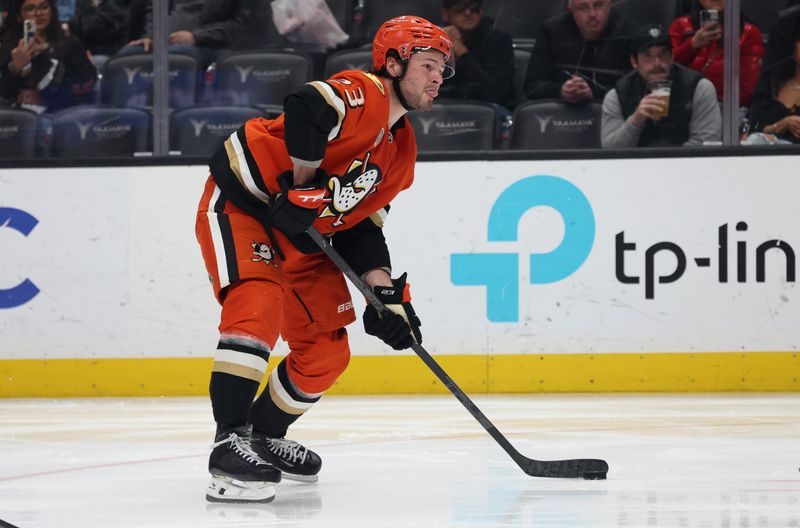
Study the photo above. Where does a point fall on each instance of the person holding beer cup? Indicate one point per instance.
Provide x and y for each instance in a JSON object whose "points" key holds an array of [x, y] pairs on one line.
{"points": [[660, 103]]}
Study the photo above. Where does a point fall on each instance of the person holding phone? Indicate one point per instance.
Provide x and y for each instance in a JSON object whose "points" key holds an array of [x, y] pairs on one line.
{"points": [[41, 68], [697, 42]]}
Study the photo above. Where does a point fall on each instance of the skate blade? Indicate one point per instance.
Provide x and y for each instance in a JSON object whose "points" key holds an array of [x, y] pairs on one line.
{"points": [[230, 490], [220, 500], [299, 478]]}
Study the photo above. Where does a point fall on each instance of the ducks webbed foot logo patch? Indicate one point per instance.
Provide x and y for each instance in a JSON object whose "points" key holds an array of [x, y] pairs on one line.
{"points": [[262, 253]]}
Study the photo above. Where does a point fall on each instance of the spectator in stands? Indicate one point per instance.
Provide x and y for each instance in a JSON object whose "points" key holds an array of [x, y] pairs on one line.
{"points": [[699, 47], [65, 8], [580, 55], [792, 6], [484, 55], [50, 72], [5, 9], [776, 105], [100, 24], [201, 28], [632, 112]]}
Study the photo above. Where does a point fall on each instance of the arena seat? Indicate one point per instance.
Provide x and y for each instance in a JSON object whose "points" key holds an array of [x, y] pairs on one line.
{"points": [[200, 130], [18, 131], [100, 132], [260, 78], [352, 59], [128, 81], [455, 126], [556, 125]]}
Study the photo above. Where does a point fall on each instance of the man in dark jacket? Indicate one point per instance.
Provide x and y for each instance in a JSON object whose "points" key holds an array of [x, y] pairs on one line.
{"points": [[100, 25], [201, 27], [579, 55], [484, 55]]}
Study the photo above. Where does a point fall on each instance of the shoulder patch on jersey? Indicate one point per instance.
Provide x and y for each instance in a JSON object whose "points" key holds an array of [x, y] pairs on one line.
{"points": [[372, 77], [335, 101]]}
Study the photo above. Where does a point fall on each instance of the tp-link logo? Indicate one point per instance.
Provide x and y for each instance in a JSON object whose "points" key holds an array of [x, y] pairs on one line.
{"points": [[23, 223], [499, 272]]}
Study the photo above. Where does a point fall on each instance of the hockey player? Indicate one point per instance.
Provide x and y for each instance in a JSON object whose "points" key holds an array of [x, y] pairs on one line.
{"points": [[335, 159]]}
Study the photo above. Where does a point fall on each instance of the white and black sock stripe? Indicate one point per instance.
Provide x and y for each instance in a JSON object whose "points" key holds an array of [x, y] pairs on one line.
{"points": [[286, 396], [242, 356]]}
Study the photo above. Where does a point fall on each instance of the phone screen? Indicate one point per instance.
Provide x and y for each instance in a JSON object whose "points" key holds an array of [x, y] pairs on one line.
{"points": [[30, 31], [709, 16]]}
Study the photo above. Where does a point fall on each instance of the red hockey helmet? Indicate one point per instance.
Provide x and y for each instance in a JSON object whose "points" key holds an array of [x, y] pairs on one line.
{"points": [[410, 34]]}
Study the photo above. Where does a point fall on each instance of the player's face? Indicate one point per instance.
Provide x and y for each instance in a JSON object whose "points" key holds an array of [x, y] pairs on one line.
{"points": [[423, 78]]}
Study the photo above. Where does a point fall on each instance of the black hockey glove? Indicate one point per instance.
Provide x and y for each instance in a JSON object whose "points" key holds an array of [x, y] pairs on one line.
{"points": [[295, 208], [398, 328]]}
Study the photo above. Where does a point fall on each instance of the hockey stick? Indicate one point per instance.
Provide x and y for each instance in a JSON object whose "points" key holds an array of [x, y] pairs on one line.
{"points": [[586, 468]]}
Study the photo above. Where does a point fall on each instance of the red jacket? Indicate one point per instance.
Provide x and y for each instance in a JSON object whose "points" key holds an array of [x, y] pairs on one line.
{"points": [[710, 60]]}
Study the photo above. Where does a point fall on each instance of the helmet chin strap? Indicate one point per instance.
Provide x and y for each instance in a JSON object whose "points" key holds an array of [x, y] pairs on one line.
{"points": [[398, 92]]}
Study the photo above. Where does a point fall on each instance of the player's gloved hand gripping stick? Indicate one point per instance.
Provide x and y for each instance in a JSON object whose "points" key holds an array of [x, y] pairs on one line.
{"points": [[398, 327], [586, 468], [295, 208]]}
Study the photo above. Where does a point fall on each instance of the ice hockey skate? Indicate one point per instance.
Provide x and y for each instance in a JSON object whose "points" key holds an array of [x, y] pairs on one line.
{"points": [[238, 474], [294, 460]]}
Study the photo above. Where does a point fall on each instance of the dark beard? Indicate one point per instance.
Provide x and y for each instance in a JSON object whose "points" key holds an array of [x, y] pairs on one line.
{"points": [[416, 101]]}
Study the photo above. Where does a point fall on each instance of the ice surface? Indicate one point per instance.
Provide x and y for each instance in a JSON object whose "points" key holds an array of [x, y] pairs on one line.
{"points": [[675, 461]]}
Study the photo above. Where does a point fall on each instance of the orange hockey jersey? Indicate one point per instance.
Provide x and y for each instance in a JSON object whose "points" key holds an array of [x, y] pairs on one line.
{"points": [[368, 163]]}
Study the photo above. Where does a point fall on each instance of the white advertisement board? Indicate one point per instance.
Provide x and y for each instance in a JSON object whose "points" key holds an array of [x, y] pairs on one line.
{"points": [[113, 261], [585, 256], [666, 255]]}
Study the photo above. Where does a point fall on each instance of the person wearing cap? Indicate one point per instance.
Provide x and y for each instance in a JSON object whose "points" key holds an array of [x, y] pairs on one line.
{"points": [[632, 112], [579, 55], [484, 55], [335, 159]]}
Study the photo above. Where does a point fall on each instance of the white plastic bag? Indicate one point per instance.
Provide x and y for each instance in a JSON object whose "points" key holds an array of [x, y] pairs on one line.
{"points": [[308, 21]]}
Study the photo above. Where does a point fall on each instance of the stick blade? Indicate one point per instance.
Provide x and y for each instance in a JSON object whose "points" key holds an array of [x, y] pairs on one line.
{"points": [[584, 468]]}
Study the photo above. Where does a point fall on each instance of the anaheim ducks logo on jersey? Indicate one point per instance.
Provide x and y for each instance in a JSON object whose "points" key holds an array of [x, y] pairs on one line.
{"points": [[262, 253], [347, 191]]}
